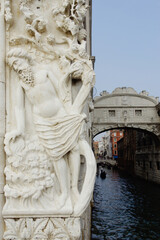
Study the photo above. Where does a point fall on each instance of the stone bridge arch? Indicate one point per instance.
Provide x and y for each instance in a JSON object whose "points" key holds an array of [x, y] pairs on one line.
{"points": [[125, 108]]}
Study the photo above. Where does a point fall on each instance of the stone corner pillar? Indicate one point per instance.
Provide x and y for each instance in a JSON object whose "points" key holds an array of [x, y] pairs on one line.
{"points": [[2, 113]]}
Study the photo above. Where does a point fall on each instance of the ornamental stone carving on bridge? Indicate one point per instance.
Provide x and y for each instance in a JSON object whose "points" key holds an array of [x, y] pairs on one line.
{"points": [[45, 139]]}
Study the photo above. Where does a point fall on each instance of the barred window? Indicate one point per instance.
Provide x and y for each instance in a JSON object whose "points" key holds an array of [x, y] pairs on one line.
{"points": [[112, 113], [138, 113]]}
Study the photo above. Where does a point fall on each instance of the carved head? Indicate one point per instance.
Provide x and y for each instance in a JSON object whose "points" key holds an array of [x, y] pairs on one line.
{"points": [[21, 62], [18, 59]]}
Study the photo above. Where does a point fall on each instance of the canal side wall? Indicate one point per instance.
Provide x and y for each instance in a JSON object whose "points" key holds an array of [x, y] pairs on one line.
{"points": [[147, 166], [139, 154], [147, 157]]}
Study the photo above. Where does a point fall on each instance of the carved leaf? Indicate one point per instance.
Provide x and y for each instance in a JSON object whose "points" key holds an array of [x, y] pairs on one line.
{"points": [[8, 235], [20, 224], [11, 232], [30, 224], [60, 229], [50, 229], [59, 234], [39, 225], [26, 234], [73, 225], [58, 222], [40, 236], [10, 224]]}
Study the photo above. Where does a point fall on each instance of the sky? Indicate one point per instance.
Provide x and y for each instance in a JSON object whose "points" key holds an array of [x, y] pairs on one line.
{"points": [[126, 44]]}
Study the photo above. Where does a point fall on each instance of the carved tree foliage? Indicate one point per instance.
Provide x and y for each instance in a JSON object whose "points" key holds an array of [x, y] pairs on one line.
{"points": [[28, 173]]}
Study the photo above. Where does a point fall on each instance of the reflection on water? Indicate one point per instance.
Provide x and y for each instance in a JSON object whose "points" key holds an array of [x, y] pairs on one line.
{"points": [[125, 208]]}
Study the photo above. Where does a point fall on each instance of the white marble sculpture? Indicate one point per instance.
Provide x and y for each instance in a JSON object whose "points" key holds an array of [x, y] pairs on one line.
{"points": [[44, 140]]}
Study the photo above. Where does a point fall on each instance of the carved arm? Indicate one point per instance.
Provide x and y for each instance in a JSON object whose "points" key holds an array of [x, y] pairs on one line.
{"points": [[19, 110], [87, 84], [20, 117]]}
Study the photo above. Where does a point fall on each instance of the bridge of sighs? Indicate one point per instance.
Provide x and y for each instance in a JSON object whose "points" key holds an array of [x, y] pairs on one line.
{"points": [[124, 107]]}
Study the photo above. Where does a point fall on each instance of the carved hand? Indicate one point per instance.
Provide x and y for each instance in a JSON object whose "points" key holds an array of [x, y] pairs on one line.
{"points": [[11, 144], [89, 77], [76, 69], [12, 136]]}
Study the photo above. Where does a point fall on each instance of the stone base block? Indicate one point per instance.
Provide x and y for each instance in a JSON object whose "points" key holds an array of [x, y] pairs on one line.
{"points": [[43, 229]]}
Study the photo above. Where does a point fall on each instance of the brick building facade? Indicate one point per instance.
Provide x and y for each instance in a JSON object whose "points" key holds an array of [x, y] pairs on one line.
{"points": [[116, 135], [126, 150]]}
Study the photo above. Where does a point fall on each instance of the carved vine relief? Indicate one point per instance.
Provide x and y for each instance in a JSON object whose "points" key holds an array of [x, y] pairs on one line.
{"points": [[44, 141]]}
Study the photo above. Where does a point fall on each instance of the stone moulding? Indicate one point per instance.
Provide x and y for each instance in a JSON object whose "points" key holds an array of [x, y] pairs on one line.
{"points": [[43, 229]]}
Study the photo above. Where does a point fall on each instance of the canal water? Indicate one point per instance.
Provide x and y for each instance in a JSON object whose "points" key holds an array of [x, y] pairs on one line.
{"points": [[125, 208]]}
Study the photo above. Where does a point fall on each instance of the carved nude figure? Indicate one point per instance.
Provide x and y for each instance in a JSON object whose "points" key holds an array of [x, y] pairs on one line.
{"points": [[58, 130]]}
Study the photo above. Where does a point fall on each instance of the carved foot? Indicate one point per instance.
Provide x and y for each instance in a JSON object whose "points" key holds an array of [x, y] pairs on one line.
{"points": [[61, 200], [78, 209], [67, 208]]}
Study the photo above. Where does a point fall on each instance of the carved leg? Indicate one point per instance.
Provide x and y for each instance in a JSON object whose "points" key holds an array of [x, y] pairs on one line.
{"points": [[61, 171], [74, 163], [89, 179]]}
